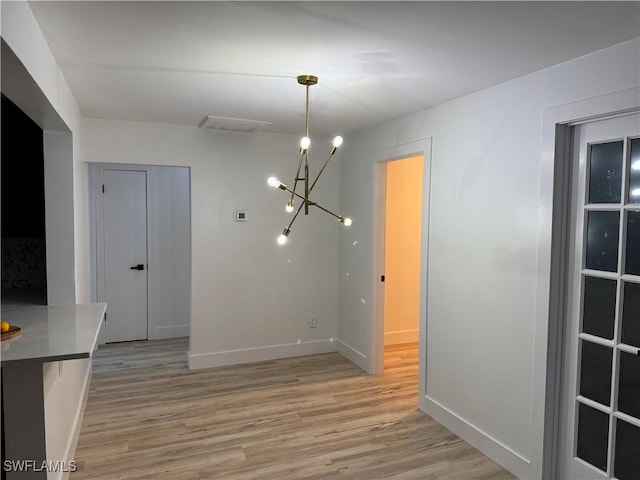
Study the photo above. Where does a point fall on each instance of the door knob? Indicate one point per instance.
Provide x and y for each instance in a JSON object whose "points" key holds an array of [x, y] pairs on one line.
{"points": [[140, 266]]}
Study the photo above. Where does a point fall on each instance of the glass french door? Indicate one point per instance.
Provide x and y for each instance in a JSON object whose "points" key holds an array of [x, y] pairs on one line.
{"points": [[600, 426]]}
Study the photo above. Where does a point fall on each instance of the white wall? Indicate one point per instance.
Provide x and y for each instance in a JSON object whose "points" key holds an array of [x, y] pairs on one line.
{"points": [[38, 87], [172, 277], [63, 381], [485, 365], [59, 199], [251, 299]]}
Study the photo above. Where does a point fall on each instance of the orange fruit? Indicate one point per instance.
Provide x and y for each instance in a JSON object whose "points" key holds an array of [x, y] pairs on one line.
{"points": [[4, 326]]}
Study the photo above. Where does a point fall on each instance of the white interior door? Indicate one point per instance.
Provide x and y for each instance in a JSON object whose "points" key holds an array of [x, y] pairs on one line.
{"points": [[600, 416], [125, 254]]}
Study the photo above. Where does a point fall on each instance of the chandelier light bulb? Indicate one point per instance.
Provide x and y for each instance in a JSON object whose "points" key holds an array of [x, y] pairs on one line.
{"points": [[289, 207], [273, 182], [305, 142], [282, 239], [337, 141], [346, 221], [635, 165]]}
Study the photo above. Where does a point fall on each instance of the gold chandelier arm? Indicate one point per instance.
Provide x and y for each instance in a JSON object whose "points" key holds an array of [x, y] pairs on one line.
{"points": [[306, 201], [306, 185], [295, 181], [306, 112], [306, 157], [325, 210], [286, 189], [322, 169], [295, 216]]}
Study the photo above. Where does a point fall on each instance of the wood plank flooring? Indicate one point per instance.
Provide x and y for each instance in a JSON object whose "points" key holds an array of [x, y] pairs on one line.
{"points": [[315, 417]]}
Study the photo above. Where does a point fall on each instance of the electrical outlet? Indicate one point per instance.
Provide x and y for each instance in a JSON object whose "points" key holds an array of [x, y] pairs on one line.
{"points": [[313, 321]]}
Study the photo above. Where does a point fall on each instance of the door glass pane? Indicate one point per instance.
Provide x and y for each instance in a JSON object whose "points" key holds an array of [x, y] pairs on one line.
{"points": [[593, 436], [634, 172], [607, 401], [629, 388], [632, 261], [599, 307], [605, 173], [595, 372], [626, 465], [602, 241], [631, 314]]}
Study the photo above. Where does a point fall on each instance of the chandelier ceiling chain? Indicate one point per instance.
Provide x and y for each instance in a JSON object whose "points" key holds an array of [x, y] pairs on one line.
{"points": [[305, 142]]}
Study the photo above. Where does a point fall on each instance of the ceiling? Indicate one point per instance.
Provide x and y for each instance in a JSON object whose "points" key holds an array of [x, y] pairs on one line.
{"points": [[175, 62]]}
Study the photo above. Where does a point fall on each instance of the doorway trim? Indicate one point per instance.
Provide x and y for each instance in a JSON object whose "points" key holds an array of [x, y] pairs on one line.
{"points": [[553, 248], [420, 147], [154, 331]]}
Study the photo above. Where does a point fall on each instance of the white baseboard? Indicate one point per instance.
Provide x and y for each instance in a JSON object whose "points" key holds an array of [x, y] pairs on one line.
{"points": [[401, 336], [353, 355], [259, 354], [172, 331], [493, 448], [157, 333]]}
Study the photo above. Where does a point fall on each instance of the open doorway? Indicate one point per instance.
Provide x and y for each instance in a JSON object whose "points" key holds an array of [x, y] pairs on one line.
{"points": [[402, 259], [141, 250], [54, 142], [419, 207], [24, 262]]}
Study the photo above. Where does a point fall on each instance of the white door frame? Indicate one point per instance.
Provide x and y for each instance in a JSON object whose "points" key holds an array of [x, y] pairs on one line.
{"points": [[553, 248], [97, 267], [381, 158]]}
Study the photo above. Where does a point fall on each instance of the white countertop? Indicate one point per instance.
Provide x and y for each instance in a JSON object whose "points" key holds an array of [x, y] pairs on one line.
{"points": [[52, 333]]}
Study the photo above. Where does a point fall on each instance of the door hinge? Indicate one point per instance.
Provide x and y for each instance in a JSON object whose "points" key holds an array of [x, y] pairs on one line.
{"points": [[382, 278], [103, 188], [105, 316]]}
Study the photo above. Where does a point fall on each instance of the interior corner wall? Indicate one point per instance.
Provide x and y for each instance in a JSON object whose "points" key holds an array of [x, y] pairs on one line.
{"points": [[59, 221], [81, 231], [250, 298], [485, 356]]}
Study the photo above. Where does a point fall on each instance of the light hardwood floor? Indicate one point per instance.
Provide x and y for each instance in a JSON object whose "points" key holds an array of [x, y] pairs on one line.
{"points": [[315, 417]]}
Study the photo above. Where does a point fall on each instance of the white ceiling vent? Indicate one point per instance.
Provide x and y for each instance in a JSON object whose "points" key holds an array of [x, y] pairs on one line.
{"points": [[232, 124]]}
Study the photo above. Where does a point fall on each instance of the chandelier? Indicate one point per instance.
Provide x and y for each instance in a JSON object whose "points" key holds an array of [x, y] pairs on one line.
{"points": [[305, 179]]}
